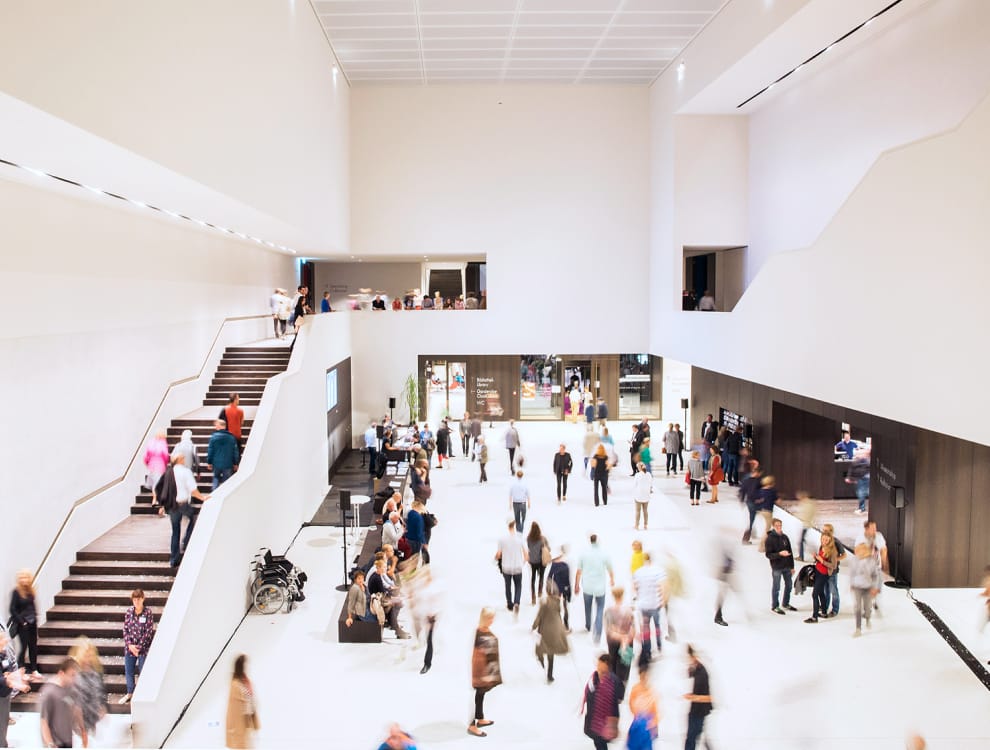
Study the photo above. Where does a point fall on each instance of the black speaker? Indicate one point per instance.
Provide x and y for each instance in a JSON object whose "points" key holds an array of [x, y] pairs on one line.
{"points": [[391, 402], [345, 500], [898, 498], [684, 403]]}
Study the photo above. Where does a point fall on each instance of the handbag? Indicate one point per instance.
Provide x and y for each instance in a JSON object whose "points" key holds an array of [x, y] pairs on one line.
{"points": [[545, 557], [13, 628], [626, 654]]}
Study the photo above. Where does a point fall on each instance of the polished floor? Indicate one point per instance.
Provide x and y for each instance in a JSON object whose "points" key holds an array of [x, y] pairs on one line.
{"points": [[777, 682]]}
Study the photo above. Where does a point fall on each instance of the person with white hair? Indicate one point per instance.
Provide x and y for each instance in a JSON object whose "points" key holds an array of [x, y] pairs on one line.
{"points": [[187, 448]]}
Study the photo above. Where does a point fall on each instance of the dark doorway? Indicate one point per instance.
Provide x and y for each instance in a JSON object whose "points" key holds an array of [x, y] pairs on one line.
{"points": [[697, 273], [307, 278]]}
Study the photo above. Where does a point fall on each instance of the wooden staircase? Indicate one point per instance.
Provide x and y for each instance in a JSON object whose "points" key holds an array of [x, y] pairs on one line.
{"points": [[135, 552]]}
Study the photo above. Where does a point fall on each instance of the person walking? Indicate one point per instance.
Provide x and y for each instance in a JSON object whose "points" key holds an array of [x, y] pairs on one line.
{"points": [[778, 551], [635, 442], [644, 704], [805, 512], [187, 448], [443, 442], [519, 500], [859, 475], [512, 442], [600, 705], [700, 699], [511, 556], [824, 565], [560, 575], [715, 473], [765, 503], [60, 716], [233, 415], [486, 671], [749, 495], [595, 569], [642, 491], [646, 455], [562, 466], [481, 453], [464, 429], [177, 488], [156, 458], [733, 447], [475, 430], [139, 629], [371, 446], [670, 445], [599, 473], [696, 477], [538, 550], [864, 584], [222, 453], [12, 682], [680, 446], [620, 631], [649, 583], [274, 305], [24, 620], [553, 637], [242, 708], [88, 691]]}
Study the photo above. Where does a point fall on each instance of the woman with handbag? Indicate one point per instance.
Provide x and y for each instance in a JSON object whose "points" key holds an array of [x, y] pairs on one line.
{"points": [[825, 562], [553, 636], [24, 615], [715, 473], [539, 558], [601, 705], [486, 671], [242, 712]]}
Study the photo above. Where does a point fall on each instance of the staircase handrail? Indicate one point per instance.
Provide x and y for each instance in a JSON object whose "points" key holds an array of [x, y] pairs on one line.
{"points": [[144, 438]]}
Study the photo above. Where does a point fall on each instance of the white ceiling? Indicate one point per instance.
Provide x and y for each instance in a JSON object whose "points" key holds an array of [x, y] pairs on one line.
{"points": [[561, 41]]}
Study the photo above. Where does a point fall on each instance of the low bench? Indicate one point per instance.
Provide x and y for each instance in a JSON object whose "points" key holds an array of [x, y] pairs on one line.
{"points": [[361, 631]]}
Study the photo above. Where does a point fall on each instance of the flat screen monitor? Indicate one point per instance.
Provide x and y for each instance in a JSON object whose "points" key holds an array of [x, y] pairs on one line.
{"points": [[331, 389]]}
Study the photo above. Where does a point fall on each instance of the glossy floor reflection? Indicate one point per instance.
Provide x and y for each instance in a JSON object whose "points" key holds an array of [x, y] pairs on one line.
{"points": [[777, 682]]}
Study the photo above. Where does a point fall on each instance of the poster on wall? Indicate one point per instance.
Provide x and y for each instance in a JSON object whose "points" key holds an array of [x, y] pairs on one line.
{"points": [[486, 397]]}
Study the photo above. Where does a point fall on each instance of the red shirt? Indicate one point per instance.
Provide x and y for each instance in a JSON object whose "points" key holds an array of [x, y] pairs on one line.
{"points": [[235, 418]]}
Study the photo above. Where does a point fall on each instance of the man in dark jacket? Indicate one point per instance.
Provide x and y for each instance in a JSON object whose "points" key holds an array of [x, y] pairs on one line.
{"points": [[749, 494], [222, 453], [733, 445], [562, 465], [778, 550]]}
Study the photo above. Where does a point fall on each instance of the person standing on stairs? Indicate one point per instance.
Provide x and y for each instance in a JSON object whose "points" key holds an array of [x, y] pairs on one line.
{"points": [[176, 490], [156, 460], [222, 453], [139, 629], [233, 415], [24, 618]]}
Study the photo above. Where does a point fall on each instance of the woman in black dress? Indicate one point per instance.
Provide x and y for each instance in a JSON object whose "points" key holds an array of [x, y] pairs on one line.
{"points": [[24, 614]]}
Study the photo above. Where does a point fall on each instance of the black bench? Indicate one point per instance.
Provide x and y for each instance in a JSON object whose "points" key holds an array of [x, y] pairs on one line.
{"points": [[361, 631]]}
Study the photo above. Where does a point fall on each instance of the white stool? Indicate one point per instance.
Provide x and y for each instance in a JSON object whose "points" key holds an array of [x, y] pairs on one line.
{"points": [[356, 502]]}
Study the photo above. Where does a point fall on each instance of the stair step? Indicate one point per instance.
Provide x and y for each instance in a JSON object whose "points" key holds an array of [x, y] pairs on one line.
{"points": [[88, 612], [257, 349], [148, 583], [31, 703], [178, 425], [109, 597], [73, 628], [122, 556], [58, 646], [219, 401], [112, 661], [120, 567]]}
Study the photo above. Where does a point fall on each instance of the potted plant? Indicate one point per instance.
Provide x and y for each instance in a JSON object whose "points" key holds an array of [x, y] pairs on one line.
{"points": [[410, 394]]}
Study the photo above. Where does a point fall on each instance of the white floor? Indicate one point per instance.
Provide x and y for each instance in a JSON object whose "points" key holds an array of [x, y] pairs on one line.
{"points": [[777, 682]]}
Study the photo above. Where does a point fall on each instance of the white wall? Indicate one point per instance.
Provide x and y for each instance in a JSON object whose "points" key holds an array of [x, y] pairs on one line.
{"points": [[105, 307], [550, 182], [392, 278], [238, 95], [820, 142], [277, 488]]}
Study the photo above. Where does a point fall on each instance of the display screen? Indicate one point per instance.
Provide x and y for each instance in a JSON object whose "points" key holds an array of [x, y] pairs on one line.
{"points": [[331, 389]]}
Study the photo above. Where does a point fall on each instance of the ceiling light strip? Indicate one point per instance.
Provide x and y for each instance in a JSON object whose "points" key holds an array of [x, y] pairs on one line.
{"points": [[601, 40], [142, 204], [419, 41], [821, 52], [512, 38]]}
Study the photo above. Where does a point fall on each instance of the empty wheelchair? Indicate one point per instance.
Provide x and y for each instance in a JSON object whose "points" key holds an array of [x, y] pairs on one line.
{"points": [[276, 583]]}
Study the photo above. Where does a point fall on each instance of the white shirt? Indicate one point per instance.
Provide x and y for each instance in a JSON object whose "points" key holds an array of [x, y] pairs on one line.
{"points": [[519, 491], [391, 533], [707, 303], [642, 487], [370, 438], [512, 550], [647, 581], [275, 302], [185, 483], [879, 543]]}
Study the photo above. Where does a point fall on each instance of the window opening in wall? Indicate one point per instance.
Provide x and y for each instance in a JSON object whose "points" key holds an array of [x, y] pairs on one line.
{"points": [[639, 395], [446, 391], [713, 278], [539, 386]]}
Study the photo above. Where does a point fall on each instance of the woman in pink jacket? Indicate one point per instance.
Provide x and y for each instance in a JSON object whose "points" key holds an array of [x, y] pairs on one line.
{"points": [[156, 460]]}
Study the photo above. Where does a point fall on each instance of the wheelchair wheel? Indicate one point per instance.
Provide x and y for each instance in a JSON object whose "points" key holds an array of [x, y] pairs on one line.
{"points": [[269, 599]]}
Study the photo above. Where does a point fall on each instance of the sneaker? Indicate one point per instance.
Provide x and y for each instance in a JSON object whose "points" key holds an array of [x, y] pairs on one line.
{"points": [[857, 633], [778, 610], [789, 608], [720, 621], [125, 700], [402, 635], [811, 620]]}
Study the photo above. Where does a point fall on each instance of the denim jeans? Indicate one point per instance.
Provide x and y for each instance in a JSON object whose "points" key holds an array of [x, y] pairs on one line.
{"points": [[696, 725], [784, 574], [175, 515], [862, 492], [132, 665], [220, 476], [832, 596], [512, 579], [731, 467], [519, 514], [599, 613], [649, 616]]}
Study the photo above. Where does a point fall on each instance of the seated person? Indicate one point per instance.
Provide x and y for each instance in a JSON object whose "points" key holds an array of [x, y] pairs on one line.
{"points": [[379, 582], [357, 601], [391, 561], [392, 529]]}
